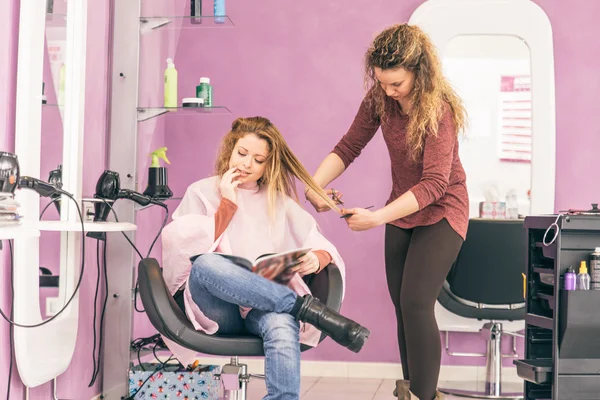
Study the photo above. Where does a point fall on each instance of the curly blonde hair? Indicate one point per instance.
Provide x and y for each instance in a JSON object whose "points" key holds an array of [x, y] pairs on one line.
{"points": [[408, 47], [282, 165]]}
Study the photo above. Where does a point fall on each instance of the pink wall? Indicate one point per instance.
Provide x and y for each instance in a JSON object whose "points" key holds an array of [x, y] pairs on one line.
{"points": [[302, 68], [300, 65]]}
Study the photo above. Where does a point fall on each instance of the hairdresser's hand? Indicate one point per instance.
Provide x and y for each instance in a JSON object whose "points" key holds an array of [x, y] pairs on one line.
{"points": [[318, 203], [309, 264], [228, 185], [362, 219]]}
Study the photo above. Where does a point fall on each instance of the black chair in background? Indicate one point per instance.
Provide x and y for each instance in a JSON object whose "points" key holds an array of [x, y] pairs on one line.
{"points": [[486, 284]]}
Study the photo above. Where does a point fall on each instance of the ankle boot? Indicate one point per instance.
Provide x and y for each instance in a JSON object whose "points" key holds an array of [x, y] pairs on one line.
{"points": [[403, 392], [342, 330], [403, 387]]}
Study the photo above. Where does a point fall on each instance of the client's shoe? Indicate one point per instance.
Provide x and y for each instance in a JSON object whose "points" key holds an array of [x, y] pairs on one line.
{"points": [[342, 330], [402, 392]]}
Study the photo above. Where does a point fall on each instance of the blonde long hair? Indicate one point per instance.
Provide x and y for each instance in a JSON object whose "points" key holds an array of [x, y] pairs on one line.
{"points": [[408, 47], [282, 165]]}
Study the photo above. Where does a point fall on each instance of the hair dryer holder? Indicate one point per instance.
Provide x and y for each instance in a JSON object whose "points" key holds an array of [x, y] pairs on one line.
{"points": [[158, 187]]}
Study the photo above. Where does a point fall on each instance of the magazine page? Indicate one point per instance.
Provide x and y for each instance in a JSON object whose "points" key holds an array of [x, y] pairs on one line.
{"points": [[278, 267]]}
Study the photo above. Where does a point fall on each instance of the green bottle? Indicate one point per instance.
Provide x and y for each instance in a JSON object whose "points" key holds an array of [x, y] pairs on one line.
{"points": [[204, 91]]}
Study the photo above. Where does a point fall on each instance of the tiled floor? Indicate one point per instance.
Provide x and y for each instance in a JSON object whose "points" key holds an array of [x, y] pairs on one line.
{"points": [[314, 388]]}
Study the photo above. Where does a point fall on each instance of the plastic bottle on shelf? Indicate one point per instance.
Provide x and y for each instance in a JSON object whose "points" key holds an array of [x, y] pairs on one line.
{"points": [[595, 269], [583, 278], [170, 85], [570, 279], [204, 91], [512, 205], [219, 11], [196, 11]]}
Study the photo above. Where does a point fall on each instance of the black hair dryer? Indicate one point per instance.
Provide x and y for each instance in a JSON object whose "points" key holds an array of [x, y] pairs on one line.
{"points": [[9, 172], [107, 188]]}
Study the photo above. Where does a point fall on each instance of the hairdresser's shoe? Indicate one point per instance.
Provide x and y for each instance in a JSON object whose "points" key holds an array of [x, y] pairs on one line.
{"points": [[402, 391], [342, 330]]}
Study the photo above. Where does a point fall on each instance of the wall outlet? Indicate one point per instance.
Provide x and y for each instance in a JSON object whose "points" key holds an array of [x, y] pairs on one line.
{"points": [[53, 306], [87, 210]]}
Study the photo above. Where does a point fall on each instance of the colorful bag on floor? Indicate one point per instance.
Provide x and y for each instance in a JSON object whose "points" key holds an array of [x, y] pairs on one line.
{"points": [[174, 383]]}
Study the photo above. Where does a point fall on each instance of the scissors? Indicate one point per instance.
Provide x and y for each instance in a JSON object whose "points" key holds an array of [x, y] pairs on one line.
{"points": [[335, 198]]}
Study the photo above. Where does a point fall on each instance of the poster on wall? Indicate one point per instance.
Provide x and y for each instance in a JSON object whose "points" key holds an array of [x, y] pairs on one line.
{"points": [[515, 118]]}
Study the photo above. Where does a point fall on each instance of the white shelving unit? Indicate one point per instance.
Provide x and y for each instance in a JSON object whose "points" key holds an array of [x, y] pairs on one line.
{"points": [[62, 226], [21, 231], [127, 115]]}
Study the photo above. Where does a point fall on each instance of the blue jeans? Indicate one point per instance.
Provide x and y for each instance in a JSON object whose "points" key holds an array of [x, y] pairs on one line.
{"points": [[219, 287]]}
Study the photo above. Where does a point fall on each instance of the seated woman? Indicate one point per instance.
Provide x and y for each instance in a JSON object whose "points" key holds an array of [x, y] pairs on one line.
{"points": [[247, 210]]}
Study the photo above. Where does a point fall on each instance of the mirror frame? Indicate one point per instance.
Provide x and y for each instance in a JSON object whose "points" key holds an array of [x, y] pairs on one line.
{"points": [[44, 352], [527, 21]]}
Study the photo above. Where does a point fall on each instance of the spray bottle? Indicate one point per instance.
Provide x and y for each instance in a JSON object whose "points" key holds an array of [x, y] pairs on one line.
{"points": [[158, 187], [583, 278], [570, 279]]}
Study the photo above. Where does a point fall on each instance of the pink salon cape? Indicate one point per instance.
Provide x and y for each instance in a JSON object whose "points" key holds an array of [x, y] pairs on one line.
{"points": [[250, 234]]}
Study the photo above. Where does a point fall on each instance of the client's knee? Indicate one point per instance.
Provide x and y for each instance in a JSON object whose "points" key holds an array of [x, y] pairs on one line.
{"points": [[205, 264]]}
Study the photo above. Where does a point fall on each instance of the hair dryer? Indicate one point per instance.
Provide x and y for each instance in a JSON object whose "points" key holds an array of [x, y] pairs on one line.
{"points": [[42, 188], [9, 172], [108, 187]]}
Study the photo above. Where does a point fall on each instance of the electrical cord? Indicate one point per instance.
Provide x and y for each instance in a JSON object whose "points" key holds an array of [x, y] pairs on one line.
{"points": [[10, 321], [123, 233], [140, 343], [158, 203], [95, 311], [163, 205], [103, 308], [10, 328], [48, 205]]}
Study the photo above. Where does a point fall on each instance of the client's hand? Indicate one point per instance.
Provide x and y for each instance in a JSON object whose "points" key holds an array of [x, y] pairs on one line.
{"points": [[309, 264], [228, 185]]}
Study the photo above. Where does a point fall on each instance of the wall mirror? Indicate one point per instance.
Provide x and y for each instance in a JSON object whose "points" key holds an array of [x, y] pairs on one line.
{"points": [[49, 132], [492, 75]]}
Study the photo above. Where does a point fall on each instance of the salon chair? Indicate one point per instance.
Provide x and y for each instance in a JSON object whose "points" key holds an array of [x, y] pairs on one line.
{"points": [[485, 285], [166, 316]]}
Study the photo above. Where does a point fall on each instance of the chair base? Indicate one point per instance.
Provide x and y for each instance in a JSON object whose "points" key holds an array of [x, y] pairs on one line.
{"points": [[234, 378], [512, 391], [492, 388]]}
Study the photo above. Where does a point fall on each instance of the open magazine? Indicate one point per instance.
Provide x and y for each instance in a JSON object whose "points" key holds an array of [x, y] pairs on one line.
{"points": [[275, 267]]}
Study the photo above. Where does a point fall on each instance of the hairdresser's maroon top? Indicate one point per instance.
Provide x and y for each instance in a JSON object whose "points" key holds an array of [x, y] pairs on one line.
{"points": [[437, 178]]}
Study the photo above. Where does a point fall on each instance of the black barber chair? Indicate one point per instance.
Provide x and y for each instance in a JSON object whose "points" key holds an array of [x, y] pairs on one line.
{"points": [[166, 316], [486, 284]]}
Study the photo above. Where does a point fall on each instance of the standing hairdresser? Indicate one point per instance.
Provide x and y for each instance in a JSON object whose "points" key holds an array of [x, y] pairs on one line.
{"points": [[426, 216]]}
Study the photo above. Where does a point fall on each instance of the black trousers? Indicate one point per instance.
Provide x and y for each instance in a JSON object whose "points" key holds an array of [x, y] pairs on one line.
{"points": [[417, 262]]}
